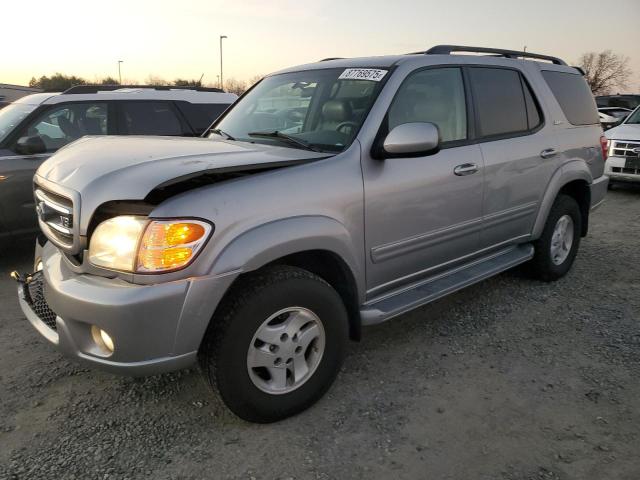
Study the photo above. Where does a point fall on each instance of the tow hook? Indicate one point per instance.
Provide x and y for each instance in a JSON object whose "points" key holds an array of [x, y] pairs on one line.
{"points": [[20, 279]]}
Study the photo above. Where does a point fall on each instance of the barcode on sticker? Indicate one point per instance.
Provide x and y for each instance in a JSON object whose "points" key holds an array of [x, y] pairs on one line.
{"points": [[372, 74]]}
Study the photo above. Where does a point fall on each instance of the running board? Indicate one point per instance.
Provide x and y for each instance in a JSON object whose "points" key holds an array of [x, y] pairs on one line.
{"points": [[436, 287]]}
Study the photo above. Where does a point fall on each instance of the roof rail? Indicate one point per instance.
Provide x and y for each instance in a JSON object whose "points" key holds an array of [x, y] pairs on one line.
{"points": [[79, 89], [330, 58], [515, 54]]}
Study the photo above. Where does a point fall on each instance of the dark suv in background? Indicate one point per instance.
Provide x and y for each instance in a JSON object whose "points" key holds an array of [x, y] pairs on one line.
{"points": [[36, 126], [624, 101]]}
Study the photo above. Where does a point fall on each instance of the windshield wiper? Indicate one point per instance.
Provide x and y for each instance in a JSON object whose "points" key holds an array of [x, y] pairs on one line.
{"points": [[287, 138], [222, 134]]}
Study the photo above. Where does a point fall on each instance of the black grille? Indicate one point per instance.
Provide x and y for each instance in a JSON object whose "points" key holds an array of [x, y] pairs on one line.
{"points": [[38, 303]]}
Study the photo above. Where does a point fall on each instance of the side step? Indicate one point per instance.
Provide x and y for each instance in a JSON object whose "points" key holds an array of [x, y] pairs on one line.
{"points": [[436, 287]]}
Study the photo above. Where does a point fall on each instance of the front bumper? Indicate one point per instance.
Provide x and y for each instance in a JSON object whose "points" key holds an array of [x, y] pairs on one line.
{"points": [[616, 168], [155, 328]]}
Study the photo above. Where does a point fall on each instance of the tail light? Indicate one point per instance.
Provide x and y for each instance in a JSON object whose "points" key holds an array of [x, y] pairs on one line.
{"points": [[604, 144]]}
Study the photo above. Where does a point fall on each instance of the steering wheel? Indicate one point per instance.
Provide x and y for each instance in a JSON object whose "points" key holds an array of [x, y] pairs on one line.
{"points": [[346, 124]]}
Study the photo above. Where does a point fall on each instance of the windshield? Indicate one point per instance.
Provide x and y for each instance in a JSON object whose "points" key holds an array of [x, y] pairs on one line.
{"points": [[12, 115], [317, 109], [634, 117]]}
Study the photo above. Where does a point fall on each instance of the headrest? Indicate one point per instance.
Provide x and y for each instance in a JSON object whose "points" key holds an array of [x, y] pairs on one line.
{"points": [[336, 111]]}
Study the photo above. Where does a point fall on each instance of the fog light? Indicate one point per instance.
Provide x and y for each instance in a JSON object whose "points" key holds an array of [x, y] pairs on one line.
{"points": [[102, 339], [39, 265]]}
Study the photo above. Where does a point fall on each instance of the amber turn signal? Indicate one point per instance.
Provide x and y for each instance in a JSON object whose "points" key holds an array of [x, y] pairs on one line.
{"points": [[169, 245]]}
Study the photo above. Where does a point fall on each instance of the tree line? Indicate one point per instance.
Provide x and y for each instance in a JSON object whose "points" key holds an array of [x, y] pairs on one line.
{"points": [[605, 72], [59, 82]]}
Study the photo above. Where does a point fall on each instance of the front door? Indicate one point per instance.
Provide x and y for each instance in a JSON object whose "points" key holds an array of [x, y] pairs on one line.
{"points": [[420, 216]]}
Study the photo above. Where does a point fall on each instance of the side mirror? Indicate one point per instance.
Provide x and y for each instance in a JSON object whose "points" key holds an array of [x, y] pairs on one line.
{"points": [[30, 145], [412, 140]]}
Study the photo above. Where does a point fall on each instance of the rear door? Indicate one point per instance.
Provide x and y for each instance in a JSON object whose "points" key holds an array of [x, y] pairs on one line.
{"points": [[150, 117], [519, 150]]}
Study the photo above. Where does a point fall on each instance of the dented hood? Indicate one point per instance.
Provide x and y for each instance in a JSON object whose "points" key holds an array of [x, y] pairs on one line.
{"points": [[108, 168]]}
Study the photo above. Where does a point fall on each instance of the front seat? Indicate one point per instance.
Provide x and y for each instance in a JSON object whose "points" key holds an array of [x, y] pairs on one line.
{"points": [[68, 128], [335, 112]]}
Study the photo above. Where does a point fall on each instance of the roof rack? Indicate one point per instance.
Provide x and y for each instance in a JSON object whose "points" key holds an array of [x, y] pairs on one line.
{"points": [[79, 89], [448, 49], [330, 58]]}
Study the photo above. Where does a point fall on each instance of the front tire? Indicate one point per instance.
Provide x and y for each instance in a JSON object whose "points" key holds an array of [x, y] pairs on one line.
{"points": [[276, 343], [557, 247]]}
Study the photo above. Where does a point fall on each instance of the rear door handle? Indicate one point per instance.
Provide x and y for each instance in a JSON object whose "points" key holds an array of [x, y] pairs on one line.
{"points": [[548, 153], [465, 169]]}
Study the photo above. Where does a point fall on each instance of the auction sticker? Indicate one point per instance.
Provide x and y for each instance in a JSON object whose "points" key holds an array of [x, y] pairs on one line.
{"points": [[372, 74]]}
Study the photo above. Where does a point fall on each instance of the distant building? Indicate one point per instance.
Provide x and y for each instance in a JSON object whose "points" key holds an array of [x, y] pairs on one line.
{"points": [[10, 93]]}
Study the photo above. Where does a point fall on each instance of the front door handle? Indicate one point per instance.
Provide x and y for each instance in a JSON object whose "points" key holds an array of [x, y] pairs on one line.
{"points": [[548, 153], [465, 169]]}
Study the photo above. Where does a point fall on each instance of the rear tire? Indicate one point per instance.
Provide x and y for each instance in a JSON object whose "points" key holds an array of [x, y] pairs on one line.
{"points": [[249, 329], [558, 245]]}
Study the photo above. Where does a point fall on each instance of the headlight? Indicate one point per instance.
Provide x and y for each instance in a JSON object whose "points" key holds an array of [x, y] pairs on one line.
{"points": [[137, 244], [114, 244]]}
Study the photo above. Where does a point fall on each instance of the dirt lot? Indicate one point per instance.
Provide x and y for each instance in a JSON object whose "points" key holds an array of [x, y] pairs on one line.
{"points": [[509, 379]]}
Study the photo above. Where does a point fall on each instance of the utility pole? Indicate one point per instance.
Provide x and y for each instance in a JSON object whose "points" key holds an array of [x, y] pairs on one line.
{"points": [[525, 48], [119, 71], [221, 38]]}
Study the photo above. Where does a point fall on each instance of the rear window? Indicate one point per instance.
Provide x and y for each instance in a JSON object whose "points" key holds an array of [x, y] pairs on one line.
{"points": [[574, 96]]}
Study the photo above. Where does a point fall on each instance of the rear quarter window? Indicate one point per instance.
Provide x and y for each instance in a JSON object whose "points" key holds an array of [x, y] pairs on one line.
{"points": [[574, 96]]}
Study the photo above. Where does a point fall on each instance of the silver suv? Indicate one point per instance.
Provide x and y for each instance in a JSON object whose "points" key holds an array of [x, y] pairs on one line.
{"points": [[330, 196]]}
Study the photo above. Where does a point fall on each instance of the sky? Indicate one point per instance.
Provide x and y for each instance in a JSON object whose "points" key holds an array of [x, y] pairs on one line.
{"points": [[180, 38]]}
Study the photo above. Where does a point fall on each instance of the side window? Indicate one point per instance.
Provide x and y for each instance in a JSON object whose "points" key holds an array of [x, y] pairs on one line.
{"points": [[66, 123], [500, 102], [149, 118], [574, 96], [432, 95]]}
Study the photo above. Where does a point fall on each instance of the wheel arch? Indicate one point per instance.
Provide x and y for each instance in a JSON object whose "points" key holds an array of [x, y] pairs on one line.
{"points": [[318, 244], [572, 179]]}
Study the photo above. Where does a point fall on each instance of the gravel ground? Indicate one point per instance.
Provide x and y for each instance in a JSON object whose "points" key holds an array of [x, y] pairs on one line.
{"points": [[508, 379]]}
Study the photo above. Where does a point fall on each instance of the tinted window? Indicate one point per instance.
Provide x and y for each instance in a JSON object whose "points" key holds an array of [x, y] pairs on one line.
{"points": [[65, 123], [500, 101], [574, 96], [201, 115], [433, 95], [149, 118]]}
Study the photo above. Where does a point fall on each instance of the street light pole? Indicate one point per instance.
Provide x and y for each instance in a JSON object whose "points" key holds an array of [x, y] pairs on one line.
{"points": [[119, 72], [221, 81]]}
